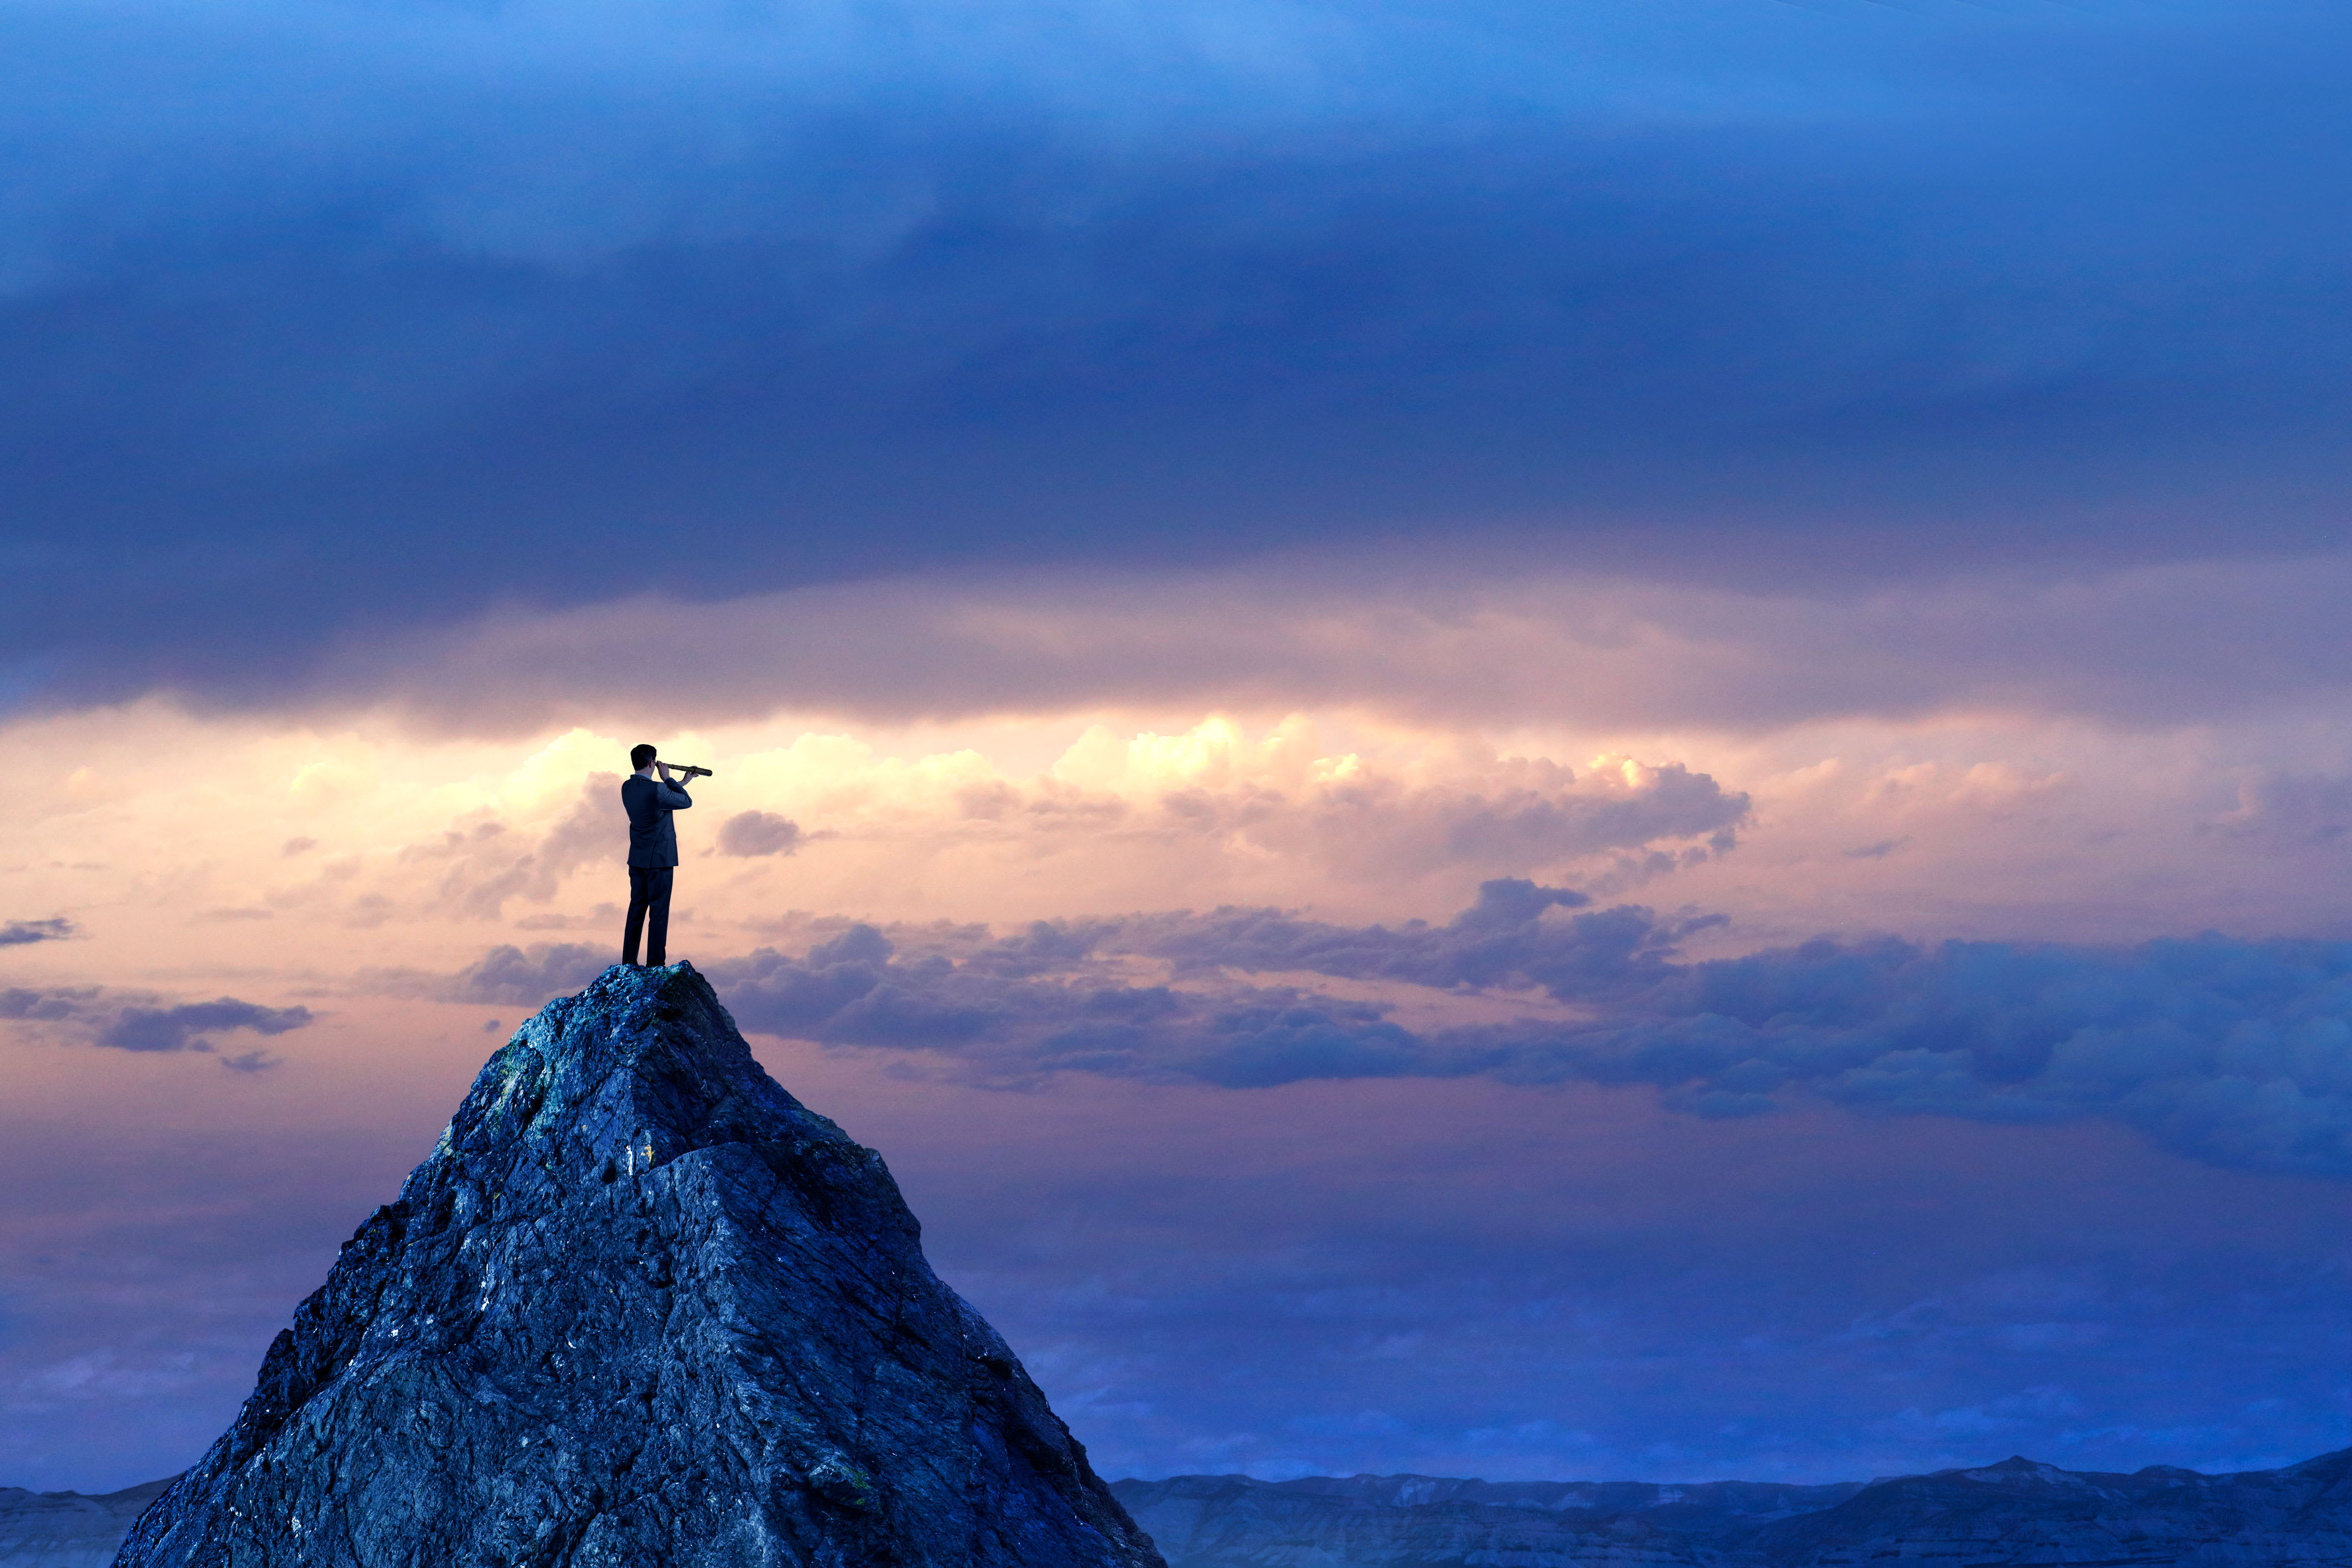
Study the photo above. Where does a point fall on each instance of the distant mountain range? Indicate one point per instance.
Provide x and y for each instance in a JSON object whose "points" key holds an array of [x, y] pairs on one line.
{"points": [[67, 1530], [2015, 1515]]}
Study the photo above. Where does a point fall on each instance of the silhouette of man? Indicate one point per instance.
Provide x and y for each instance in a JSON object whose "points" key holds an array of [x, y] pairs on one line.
{"points": [[653, 852]]}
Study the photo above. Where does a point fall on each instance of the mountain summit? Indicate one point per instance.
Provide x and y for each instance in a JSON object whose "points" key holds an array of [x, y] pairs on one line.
{"points": [[640, 1306]]}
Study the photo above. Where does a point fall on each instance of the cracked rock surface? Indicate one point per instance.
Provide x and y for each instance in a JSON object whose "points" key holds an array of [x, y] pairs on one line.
{"points": [[639, 1307]]}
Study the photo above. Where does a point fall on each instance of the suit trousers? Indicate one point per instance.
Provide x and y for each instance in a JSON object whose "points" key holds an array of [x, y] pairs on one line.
{"points": [[649, 894]]}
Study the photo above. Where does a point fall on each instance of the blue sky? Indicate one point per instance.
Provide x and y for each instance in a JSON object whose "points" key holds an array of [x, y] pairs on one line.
{"points": [[1143, 505]]}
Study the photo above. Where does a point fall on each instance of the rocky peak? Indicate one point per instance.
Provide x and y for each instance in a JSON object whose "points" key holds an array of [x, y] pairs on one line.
{"points": [[640, 1305], [2020, 1471]]}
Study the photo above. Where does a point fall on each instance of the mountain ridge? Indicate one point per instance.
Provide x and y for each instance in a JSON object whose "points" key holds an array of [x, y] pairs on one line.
{"points": [[69, 1528], [31, 1534], [2015, 1513]]}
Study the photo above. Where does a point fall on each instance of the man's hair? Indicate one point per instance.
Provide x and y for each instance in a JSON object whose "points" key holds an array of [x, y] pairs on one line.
{"points": [[639, 756]]}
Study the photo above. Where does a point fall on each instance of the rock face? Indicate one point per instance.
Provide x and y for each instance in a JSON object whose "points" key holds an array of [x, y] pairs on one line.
{"points": [[639, 1307], [2013, 1514], [65, 1528]]}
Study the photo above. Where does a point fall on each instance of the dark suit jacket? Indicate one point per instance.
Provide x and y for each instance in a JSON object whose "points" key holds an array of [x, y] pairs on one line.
{"points": [[649, 801]]}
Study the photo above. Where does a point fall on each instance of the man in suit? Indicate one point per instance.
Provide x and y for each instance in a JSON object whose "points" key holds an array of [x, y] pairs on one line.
{"points": [[653, 852]]}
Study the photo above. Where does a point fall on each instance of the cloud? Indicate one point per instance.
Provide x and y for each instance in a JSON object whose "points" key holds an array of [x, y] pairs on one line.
{"points": [[1531, 814], [514, 977], [477, 866], [141, 1021], [2294, 812], [2237, 1053], [1086, 284], [1478, 637], [184, 1028], [1214, 799], [49, 1005], [1011, 1026], [20, 933], [1058, 997], [2234, 1052], [759, 833]]}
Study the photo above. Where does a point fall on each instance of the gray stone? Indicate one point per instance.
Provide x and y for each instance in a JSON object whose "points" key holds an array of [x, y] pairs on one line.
{"points": [[640, 1309]]}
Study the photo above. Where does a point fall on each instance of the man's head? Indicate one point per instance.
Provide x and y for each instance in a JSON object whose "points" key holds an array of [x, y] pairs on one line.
{"points": [[641, 758]]}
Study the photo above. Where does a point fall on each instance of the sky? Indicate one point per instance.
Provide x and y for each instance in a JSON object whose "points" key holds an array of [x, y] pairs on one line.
{"points": [[1599, 742]]}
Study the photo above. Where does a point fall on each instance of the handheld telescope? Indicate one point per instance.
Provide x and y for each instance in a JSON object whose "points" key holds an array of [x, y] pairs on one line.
{"points": [[683, 772]]}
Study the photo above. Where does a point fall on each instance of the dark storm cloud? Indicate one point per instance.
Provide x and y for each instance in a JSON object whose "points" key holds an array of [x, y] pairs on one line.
{"points": [[378, 317], [2236, 1053], [21, 933], [141, 1021]]}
